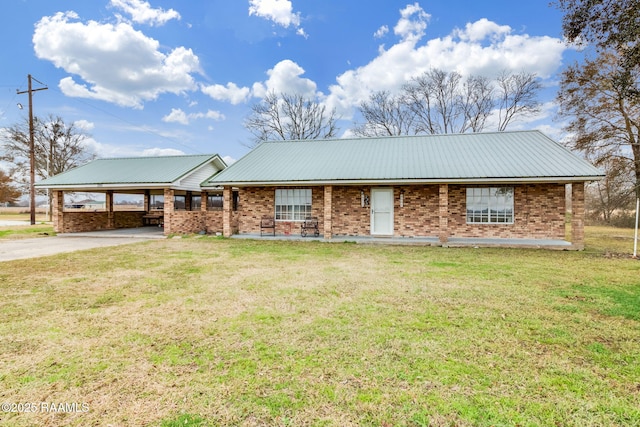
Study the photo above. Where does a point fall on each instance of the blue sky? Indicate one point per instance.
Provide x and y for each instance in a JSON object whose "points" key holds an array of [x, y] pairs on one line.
{"points": [[170, 77]]}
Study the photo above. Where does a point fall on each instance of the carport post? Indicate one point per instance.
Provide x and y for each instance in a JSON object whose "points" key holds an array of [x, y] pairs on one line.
{"points": [[327, 229], [109, 206], [577, 215], [443, 229], [227, 209], [168, 209]]}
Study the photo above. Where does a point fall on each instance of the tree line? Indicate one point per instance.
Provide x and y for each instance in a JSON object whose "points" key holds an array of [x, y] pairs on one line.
{"points": [[435, 102]]}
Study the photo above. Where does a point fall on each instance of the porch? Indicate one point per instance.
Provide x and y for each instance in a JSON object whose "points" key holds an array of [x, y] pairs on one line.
{"points": [[453, 242]]}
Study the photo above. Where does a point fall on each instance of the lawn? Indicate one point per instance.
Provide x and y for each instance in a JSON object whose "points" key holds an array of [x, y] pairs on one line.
{"points": [[26, 231], [216, 332]]}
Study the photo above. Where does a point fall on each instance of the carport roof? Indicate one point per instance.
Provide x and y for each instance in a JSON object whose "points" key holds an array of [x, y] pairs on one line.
{"points": [[142, 171]]}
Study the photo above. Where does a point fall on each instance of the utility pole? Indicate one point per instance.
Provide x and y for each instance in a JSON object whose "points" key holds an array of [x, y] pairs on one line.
{"points": [[32, 159]]}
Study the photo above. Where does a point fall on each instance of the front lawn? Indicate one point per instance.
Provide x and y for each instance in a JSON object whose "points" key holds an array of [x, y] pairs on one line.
{"points": [[216, 332]]}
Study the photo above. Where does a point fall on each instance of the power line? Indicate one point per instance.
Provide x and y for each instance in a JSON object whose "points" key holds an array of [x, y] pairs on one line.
{"points": [[151, 132]]}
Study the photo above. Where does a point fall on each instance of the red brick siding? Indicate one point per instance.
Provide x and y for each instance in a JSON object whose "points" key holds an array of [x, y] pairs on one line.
{"points": [[419, 217], [74, 222], [349, 218], [186, 222], [539, 211], [128, 219], [256, 202]]}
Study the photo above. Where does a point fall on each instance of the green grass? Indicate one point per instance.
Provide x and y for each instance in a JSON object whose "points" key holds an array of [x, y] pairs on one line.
{"points": [[217, 332], [26, 231]]}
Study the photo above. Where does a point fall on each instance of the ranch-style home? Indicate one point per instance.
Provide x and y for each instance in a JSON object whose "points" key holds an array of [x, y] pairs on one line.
{"points": [[507, 188]]}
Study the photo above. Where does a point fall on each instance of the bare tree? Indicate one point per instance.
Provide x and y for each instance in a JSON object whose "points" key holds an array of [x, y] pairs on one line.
{"points": [[385, 115], [290, 117], [477, 102], [615, 192], [57, 147], [439, 102], [517, 97], [435, 99], [604, 119]]}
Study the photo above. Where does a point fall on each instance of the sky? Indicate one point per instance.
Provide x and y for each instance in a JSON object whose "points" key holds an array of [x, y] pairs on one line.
{"points": [[163, 77]]}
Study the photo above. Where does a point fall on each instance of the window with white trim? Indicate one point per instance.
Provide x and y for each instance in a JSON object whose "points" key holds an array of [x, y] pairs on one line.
{"points": [[293, 204], [490, 205]]}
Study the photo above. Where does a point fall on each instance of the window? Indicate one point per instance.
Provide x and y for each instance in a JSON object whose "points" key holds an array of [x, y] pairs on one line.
{"points": [[196, 203], [156, 202], [235, 200], [492, 205], [293, 204], [214, 202], [179, 202]]}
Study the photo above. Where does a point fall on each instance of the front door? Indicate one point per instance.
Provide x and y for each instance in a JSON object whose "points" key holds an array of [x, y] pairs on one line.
{"points": [[382, 211]]}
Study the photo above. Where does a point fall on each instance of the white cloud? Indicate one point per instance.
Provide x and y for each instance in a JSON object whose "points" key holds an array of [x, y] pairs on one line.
{"points": [[278, 11], [117, 63], [481, 29], [176, 116], [231, 93], [229, 160], [284, 77], [142, 12], [84, 125], [179, 116], [381, 32], [412, 23], [480, 48], [157, 152]]}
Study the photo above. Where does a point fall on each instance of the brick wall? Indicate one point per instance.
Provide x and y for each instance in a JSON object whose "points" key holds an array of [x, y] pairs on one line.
{"points": [[256, 202], [539, 211], [213, 221], [349, 218], [419, 217], [75, 222], [128, 219], [187, 222]]}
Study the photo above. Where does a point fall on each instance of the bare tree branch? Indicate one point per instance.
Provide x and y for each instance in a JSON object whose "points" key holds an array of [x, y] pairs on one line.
{"points": [[290, 117], [385, 115], [517, 97], [57, 146]]}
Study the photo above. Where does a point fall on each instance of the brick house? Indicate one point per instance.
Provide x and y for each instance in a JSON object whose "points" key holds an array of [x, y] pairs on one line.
{"points": [[507, 188]]}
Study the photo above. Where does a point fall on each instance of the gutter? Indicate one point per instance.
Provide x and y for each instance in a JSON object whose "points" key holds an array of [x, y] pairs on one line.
{"points": [[559, 180]]}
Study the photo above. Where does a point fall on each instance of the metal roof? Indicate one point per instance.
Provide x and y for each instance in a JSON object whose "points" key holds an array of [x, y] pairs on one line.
{"points": [[475, 157], [131, 170]]}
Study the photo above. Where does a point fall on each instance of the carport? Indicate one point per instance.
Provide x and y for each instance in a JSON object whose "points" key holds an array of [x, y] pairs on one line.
{"points": [[169, 187]]}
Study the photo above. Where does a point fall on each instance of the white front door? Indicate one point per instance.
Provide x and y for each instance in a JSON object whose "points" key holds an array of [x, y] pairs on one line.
{"points": [[382, 211]]}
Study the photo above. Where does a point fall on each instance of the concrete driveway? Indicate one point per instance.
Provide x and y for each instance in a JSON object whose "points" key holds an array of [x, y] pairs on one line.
{"points": [[70, 242]]}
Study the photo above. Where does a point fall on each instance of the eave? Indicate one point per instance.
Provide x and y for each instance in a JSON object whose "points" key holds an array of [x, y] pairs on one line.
{"points": [[427, 181]]}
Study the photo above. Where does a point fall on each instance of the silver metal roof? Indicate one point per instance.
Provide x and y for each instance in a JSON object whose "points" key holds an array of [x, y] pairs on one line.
{"points": [[141, 171], [526, 156]]}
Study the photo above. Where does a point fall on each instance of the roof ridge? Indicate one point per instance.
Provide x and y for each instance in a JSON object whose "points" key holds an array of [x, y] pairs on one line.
{"points": [[426, 135], [169, 156]]}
